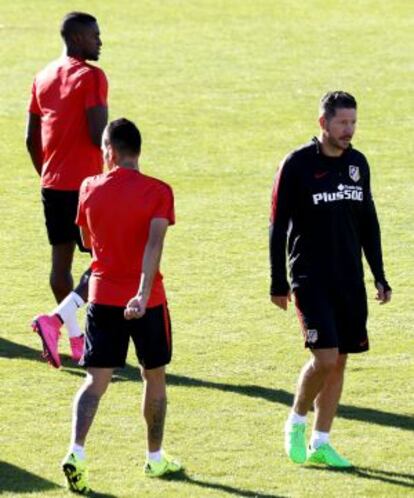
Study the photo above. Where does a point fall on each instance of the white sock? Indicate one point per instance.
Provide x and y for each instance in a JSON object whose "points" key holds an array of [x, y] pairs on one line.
{"points": [[72, 326], [78, 450], [295, 418], [318, 438], [67, 311], [154, 455]]}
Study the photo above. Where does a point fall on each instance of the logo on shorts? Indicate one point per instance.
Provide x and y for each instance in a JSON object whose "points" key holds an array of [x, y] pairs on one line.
{"points": [[311, 336], [354, 173]]}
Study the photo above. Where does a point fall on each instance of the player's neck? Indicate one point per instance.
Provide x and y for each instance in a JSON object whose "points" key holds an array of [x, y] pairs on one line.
{"points": [[73, 52], [128, 163], [328, 149]]}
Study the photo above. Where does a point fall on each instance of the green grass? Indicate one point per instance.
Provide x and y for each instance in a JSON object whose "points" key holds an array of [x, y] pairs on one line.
{"points": [[221, 90]]}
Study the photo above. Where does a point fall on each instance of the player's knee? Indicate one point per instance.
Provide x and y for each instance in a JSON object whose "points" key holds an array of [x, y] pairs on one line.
{"points": [[339, 369], [153, 375], [61, 283], [97, 390], [325, 364], [96, 387], [341, 362]]}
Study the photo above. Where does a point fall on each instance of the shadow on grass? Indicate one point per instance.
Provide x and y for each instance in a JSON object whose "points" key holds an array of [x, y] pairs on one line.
{"points": [[19, 481], [397, 478], [16, 480], [95, 494], [283, 397], [183, 477], [10, 349]]}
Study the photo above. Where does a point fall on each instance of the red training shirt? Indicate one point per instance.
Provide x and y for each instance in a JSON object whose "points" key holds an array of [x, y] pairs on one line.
{"points": [[61, 94], [117, 207]]}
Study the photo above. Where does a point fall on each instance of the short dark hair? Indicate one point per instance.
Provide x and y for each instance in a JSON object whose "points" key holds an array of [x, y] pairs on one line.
{"points": [[332, 101], [124, 136], [75, 22]]}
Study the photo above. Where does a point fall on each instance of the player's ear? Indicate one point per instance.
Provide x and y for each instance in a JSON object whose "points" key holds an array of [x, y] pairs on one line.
{"points": [[322, 122], [113, 155], [77, 39]]}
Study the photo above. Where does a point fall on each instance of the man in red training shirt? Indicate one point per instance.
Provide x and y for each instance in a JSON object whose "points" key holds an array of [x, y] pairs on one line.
{"points": [[67, 115], [124, 216]]}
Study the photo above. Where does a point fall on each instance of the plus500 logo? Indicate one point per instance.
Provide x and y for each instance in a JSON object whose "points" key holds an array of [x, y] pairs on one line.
{"points": [[344, 193]]}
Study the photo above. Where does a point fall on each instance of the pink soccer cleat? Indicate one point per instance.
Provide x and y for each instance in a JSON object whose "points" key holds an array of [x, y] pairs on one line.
{"points": [[77, 345], [48, 328]]}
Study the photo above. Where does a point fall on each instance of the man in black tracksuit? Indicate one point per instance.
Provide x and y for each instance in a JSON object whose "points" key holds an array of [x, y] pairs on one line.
{"points": [[323, 213]]}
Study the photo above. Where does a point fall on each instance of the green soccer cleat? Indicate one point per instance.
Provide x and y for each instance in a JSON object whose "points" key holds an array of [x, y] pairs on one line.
{"points": [[295, 444], [326, 455], [166, 465], [76, 474]]}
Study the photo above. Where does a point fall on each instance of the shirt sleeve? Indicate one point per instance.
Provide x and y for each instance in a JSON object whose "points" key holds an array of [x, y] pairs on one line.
{"points": [[34, 107], [371, 235], [81, 215], [280, 215], [165, 205], [96, 89]]}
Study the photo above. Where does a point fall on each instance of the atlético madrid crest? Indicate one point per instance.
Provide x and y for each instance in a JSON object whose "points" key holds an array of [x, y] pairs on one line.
{"points": [[354, 173], [311, 336]]}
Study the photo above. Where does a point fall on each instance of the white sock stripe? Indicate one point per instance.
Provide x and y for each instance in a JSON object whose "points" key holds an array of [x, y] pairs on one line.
{"points": [[67, 311], [155, 455], [318, 438], [295, 418], [78, 450], [78, 299]]}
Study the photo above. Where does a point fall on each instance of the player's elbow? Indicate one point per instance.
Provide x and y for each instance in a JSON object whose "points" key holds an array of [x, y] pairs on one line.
{"points": [[86, 242], [85, 238], [29, 143], [97, 120], [96, 138], [155, 246]]}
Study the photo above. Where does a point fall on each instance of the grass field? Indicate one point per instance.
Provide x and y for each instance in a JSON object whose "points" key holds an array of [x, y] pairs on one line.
{"points": [[222, 90]]}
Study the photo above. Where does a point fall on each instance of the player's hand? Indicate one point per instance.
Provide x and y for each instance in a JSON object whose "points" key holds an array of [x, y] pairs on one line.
{"points": [[282, 301], [135, 308], [383, 296]]}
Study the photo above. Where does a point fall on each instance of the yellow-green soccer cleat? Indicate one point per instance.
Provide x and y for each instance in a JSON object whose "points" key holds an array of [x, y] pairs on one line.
{"points": [[166, 465], [326, 455], [76, 474], [295, 444]]}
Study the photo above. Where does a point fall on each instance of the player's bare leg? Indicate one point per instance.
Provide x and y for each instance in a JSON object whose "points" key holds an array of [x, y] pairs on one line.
{"points": [[86, 402], [311, 382], [154, 406], [85, 406], [326, 403], [61, 280], [313, 377]]}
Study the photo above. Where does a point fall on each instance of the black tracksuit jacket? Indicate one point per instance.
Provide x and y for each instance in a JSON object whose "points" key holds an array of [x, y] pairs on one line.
{"points": [[323, 211]]}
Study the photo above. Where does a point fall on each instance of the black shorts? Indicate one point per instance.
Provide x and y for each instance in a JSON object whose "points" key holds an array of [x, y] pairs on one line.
{"points": [[60, 208], [108, 333], [333, 317]]}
